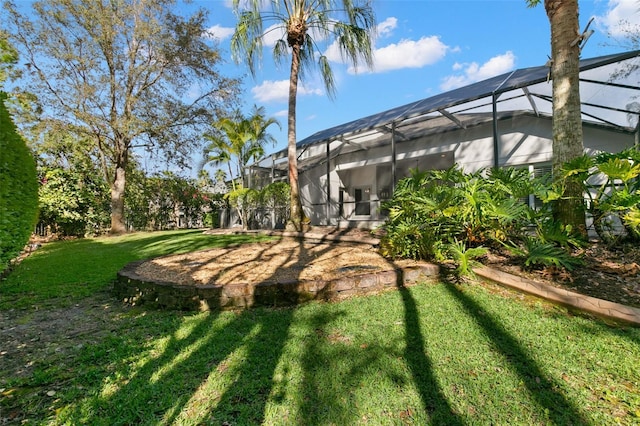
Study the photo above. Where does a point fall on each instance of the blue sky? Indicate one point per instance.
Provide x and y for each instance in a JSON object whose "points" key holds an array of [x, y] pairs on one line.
{"points": [[422, 48]]}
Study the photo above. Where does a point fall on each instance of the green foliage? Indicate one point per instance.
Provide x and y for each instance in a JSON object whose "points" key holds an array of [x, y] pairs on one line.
{"points": [[18, 189], [73, 202], [465, 257], [275, 195], [8, 57], [487, 208], [536, 252], [161, 201], [239, 138], [553, 232], [243, 199], [430, 209], [611, 182], [410, 240], [120, 75]]}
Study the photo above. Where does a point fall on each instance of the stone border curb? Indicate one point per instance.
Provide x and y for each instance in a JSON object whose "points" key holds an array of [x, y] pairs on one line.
{"points": [[135, 289], [598, 307]]}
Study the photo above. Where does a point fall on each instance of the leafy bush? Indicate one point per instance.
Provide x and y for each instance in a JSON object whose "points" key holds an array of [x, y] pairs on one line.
{"points": [[158, 202], [73, 202], [18, 189], [432, 209], [243, 199], [438, 215], [611, 183], [275, 199], [536, 252], [465, 258]]}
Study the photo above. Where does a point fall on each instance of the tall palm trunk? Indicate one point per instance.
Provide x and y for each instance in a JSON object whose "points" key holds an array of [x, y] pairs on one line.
{"points": [[297, 214], [567, 121]]}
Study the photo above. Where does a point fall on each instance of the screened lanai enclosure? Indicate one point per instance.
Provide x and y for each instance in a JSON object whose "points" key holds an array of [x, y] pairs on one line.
{"points": [[347, 171]]}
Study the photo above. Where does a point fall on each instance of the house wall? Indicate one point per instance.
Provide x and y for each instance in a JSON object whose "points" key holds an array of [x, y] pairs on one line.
{"points": [[523, 140]]}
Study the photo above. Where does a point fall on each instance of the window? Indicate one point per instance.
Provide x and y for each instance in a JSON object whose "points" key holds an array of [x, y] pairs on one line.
{"points": [[363, 206]]}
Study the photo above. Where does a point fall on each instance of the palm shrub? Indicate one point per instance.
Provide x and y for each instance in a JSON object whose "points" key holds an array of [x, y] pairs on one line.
{"points": [[431, 210], [613, 189], [452, 215]]}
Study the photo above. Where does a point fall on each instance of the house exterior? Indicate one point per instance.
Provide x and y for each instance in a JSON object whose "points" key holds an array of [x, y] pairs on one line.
{"points": [[346, 171]]}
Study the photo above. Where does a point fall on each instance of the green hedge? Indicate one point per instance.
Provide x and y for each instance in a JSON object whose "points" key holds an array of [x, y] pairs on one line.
{"points": [[18, 189]]}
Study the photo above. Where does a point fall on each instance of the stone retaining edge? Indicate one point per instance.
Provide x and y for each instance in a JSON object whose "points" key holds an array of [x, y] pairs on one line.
{"points": [[598, 307], [134, 289]]}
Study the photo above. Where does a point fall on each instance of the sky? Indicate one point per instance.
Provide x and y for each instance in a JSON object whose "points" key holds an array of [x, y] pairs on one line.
{"points": [[422, 48]]}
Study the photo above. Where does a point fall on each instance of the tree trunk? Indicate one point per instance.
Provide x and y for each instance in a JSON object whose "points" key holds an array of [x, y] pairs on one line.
{"points": [[567, 121], [117, 195], [296, 219]]}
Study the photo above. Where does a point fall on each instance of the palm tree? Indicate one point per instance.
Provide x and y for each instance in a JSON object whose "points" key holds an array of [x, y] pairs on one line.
{"points": [[303, 24], [219, 151], [567, 120], [255, 130], [242, 138]]}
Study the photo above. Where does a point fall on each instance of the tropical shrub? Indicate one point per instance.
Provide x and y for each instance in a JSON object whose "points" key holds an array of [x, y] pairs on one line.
{"points": [[433, 209], [274, 198], [613, 189], [536, 252], [160, 201], [18, 189], [465, 257], [452, 215]]}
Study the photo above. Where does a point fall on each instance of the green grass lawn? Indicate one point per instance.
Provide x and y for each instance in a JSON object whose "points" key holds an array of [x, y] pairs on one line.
{"points": [[429, 354]]}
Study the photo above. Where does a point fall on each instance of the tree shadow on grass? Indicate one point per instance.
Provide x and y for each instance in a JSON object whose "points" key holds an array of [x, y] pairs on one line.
{"points": [[206, 368], [543, 389], [333, 369], [433, 399]]}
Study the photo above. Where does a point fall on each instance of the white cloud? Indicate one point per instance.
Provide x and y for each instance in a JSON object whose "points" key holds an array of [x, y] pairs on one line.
{"points": [[404, 54], [272, 35], [386, 27], [621, 16], [278, 91], [409, 54], [219, 32], [474, 72], [282, 113]]}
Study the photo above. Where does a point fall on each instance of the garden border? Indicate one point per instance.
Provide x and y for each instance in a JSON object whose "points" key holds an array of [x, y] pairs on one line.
{"points": [[135, 289]]}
